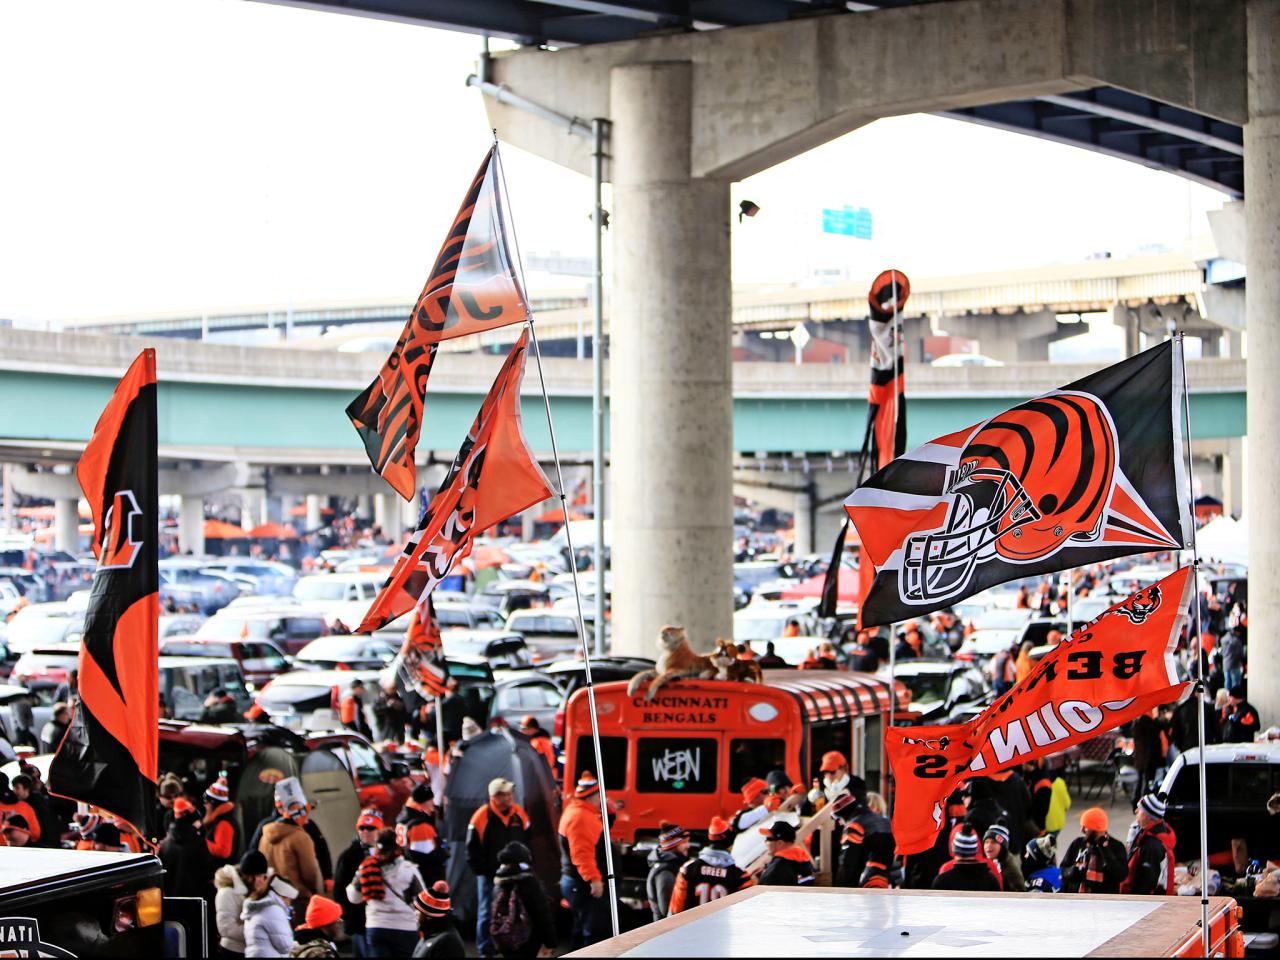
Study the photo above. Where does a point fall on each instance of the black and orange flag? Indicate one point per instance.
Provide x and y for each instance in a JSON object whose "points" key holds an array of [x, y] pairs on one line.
{"points": [[493, 477], [1089, 472], [1117, 667], [472, 288], [886, 435], [421, 662], [109, 754]]}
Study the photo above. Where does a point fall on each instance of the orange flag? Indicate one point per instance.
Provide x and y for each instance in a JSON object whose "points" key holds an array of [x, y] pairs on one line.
{"points": [[1116, 668], [472, 288], [494, 476]]}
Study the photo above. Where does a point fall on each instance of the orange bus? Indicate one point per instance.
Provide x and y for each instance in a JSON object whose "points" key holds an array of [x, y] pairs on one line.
{"points": [[685, 756]]}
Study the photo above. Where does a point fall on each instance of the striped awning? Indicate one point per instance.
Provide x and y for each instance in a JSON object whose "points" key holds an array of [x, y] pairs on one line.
{"points": [[832, 694]]}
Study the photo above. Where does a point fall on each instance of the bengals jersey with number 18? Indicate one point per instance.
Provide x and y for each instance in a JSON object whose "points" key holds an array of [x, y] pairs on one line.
{"points": [[710, 875]]}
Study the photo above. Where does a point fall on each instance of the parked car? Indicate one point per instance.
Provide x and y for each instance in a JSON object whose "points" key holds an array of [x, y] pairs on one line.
{"points": [[187, 582], [41, 624], [381, 783], [260, 660], [33, 587], [507, 596], [270, 577], [469, 616], [767, 620], [180, 624], [533, 694], [551, 632], [941, 687], [310, 699], [290, 629], [352, 651], [185, 683], [501, 648], [321, 589], [38, 701], [46, 665], [1240, 778]]}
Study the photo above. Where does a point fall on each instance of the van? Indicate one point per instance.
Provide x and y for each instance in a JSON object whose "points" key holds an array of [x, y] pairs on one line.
{"points": [[688, 752], [185, 682]]}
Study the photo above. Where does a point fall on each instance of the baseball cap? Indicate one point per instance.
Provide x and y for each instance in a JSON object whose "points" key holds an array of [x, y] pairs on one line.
{"points": [[832, 760], [780, 830], [499, 785]]}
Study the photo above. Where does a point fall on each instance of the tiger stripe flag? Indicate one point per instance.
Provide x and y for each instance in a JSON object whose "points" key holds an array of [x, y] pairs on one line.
{"points": [[421, 662], [494, 476], [1079, 475], [109, 754], [472, 288], [1117, 667]]}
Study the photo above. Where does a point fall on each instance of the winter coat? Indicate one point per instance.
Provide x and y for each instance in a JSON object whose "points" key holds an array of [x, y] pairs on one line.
{"points": [[317, 840], [291, 853], [416, 833], [710, 875], [222, 834], [266, 927], [188, 869], [489, 831], [394, 911], [228, 903], [536, 903], [663, 868], [49, 828], [441, 941], [344, 872], [1075, 866], [582, 841], [1059, 804], [1242, 724], [1151, 862], [1011, 880], [868, 841], [980, 875], [790, 867]]}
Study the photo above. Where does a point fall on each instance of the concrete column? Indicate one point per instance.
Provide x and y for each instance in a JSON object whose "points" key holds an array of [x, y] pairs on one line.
{"points": [[527, 521], [1262, 307], [191, 525], [1233, 478], [253, 507], [670, 370], [801, 511], [1127, 320], [314, 517], [66, 525], [364, 508], [388, 515]]}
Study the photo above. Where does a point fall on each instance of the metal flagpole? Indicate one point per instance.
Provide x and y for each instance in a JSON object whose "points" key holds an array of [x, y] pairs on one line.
{"points": [[611, 880], [1197, 652], [895, 337], [597, 376], [582, 637]]}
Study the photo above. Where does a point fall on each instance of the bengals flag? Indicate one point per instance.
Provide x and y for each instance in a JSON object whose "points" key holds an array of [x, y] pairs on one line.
{"points": [[1079, 475], [421, 663], [886, 435], [109, 753], [472, 288], [1117, 667], [494, 476]]}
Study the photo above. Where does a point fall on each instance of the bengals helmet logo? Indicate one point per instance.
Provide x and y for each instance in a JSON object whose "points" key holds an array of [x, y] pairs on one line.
{"points": [[1141, 605], [119, 546]]}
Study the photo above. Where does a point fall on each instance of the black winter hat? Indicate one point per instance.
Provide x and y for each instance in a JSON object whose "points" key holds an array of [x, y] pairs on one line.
{"points": [[422, 793], [515, 852], [253, 863]]}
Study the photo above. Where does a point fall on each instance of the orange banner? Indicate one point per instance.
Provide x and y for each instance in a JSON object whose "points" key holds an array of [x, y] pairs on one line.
{"points": [[1117, 667]]}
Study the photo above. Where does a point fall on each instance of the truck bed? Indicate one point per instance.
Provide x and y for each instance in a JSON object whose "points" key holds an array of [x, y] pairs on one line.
{"points": [[29, 874]]}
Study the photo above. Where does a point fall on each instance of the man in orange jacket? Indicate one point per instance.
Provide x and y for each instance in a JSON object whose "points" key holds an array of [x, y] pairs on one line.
{"points": [[493, 826], [540, 740], [582, 863]]}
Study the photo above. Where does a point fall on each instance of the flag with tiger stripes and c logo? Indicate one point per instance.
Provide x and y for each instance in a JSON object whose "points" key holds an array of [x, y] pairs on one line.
{"points": [[1089, 472], [472, 288], [108, 756], [494, 476]]}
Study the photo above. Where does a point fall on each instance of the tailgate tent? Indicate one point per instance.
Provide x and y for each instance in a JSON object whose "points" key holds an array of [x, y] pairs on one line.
{"points": [[501, 753]]}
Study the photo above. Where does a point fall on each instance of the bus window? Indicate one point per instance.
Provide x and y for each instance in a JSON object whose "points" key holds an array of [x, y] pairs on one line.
{"points": [[754, 758], [825, 736], [671, 765], [614, 752]]}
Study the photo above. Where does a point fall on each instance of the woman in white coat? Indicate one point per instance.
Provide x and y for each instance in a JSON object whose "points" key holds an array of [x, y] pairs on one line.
{"points": [[267, 932], [233, 884]]}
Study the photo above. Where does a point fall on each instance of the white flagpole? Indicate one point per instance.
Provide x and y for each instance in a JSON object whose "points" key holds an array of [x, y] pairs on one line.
{"points": [[1196, 651], [895, 335], [611, 890]]}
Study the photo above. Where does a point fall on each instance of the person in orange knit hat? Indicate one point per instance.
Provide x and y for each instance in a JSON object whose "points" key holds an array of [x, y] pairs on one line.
{"points": [[314, 937], [221, 834], [1095, 862], [754, 807]]}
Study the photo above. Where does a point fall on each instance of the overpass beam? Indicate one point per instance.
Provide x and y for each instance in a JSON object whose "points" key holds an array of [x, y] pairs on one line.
{"points": [[670, 370], [1262, 293]]}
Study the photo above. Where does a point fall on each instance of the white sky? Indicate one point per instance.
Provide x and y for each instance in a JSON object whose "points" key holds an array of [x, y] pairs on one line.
{"points": [[187, 154]]}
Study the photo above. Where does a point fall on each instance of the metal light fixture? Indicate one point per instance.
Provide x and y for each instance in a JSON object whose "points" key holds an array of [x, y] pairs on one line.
{"points": [[747, 209]]}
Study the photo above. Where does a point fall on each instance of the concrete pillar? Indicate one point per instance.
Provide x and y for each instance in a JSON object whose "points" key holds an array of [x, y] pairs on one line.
{"points": [[1262, 307], [253, 507], [314, 517], [66, 525], [827, 529], [1233, 478], [364, 508], [527, 521], [191, 525], [670, 370], [802, 513], [1127, 320], [388, 515]]}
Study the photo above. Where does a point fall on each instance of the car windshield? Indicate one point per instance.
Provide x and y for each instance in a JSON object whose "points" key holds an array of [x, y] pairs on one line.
{"points": [[1000, 619], [292, 693], [758, 628], [186, 648], [754, 574], [346, 648], [453, 617], [925, 687], [320, 588]]}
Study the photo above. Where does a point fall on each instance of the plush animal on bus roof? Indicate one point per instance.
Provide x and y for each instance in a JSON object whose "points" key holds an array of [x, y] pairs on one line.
{"points": [[675, 659], [729, 666]]}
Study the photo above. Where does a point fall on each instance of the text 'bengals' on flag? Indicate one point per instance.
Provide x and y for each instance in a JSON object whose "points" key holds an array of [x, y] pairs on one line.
{"points": [[1115, 668], [109, 754], [1086, 473], [472, 288], [494, 476]]}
